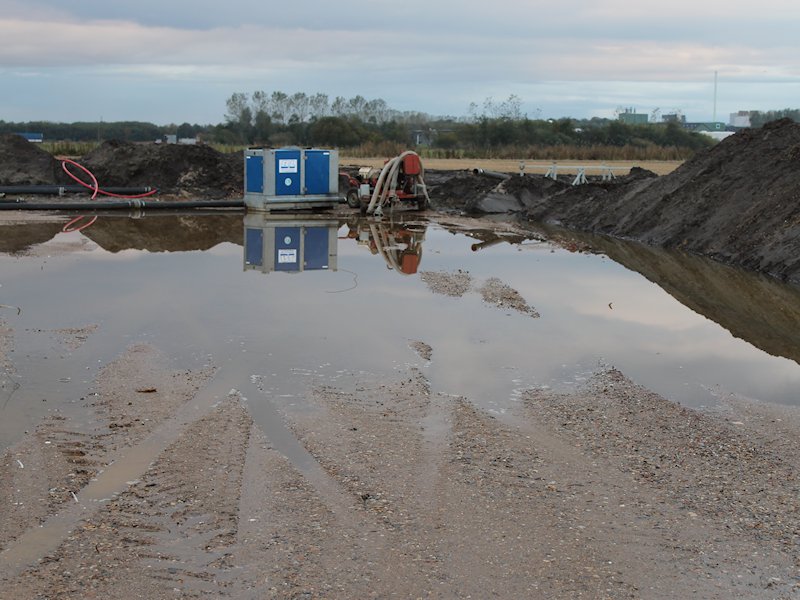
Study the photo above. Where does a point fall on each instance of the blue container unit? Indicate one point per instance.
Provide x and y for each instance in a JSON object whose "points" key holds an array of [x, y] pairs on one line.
{"points": [[291, 178], [289, 244]]}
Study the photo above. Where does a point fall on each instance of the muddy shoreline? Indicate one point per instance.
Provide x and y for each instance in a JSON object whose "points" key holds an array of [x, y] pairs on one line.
{"points": [[161, 485], [608, 492]]}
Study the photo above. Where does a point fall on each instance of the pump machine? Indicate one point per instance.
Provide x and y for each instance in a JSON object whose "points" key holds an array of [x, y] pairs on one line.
{"points": [[291, 178]]}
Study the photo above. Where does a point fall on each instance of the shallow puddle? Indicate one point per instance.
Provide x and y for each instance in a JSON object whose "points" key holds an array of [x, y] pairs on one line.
{"points": [[294, 303]]}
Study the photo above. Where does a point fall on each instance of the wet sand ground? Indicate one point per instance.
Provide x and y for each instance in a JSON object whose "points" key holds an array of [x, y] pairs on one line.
{"points": [[167, 489]]}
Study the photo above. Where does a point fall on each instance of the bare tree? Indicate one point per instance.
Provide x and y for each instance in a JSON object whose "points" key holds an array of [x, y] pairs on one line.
{"points": [[279, 106], [339, 106], [318, 105], [298, 106]]}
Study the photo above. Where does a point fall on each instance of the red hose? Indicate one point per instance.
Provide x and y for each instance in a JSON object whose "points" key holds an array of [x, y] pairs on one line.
{"points": [[68, 228], [95, 187]]}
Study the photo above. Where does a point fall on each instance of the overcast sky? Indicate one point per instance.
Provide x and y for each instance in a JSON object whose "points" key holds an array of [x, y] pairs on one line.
{"points": [[174, 61]]}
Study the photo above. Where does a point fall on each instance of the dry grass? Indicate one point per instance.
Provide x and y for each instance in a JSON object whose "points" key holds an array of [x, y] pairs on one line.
{"points": [[566, 167]]}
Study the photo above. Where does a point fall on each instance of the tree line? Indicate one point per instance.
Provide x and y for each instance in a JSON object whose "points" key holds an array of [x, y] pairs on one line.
{"points": [[491, 128], [758, 118]]}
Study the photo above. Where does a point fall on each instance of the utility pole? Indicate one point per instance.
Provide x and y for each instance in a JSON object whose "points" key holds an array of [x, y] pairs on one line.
{"points": [[714, 119]]}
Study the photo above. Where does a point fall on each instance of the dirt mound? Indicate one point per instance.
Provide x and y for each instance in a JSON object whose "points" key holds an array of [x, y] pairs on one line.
{"points": [[175, 169], [530, 190], [736, 202], [456, 192], [479, 193], [23, 162]]}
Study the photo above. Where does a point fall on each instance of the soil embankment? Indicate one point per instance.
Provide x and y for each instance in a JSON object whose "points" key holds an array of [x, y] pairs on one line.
{"points": [[737, 202]]}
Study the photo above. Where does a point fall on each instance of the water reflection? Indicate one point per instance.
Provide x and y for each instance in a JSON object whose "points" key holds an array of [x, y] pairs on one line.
{"points": [[174, 232], [297, 243], [594, 310], [290, 243], [756, 308], [399, 243], [16, 237]]}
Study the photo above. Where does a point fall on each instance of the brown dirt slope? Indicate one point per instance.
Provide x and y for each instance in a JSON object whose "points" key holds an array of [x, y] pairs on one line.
{"points": [[736, 202]]}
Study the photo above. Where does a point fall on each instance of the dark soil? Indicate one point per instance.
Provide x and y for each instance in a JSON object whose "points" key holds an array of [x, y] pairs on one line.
{"points": [[22, 162], [175, 170], [180, 170], [738, 202], [460, 189]]}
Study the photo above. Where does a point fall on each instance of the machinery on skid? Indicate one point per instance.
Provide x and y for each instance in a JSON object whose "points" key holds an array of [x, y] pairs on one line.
{"points": [[400, 182], [290, 178]]}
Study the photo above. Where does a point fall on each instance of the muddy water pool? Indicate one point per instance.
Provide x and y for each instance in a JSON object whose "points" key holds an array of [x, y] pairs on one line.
{"points": [[356, 307]]}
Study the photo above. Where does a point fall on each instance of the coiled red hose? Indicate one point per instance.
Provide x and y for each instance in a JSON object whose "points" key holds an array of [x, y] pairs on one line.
{"points": [[95, 187]]}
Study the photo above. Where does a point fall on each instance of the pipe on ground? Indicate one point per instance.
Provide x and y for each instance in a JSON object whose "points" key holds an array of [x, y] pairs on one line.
{"points": [[134, 203], [60, 190], [492, 174]]}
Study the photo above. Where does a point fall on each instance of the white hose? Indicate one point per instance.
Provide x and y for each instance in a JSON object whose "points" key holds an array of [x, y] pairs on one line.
{"points": [[390, 174], [384, 246]]}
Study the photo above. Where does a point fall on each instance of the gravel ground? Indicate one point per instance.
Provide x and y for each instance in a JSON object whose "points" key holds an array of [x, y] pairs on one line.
{"points": [[607, 492], [493, 290]]}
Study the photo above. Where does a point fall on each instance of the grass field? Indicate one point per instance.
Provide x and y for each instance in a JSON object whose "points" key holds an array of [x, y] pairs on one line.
{"points": [[566, 167]]}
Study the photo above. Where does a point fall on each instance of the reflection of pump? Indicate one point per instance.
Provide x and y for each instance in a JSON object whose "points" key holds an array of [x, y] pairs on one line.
{"points": [[289, 243], [399, 244]]}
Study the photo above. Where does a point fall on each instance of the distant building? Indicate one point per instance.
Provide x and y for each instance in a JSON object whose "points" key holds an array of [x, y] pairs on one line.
{"points": [[36, 138], [630, 117], [702, 127], [740, 119], [174, 139]]}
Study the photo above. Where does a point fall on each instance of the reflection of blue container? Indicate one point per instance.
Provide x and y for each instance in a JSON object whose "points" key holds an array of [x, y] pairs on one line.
{"points": [[287, 248], [289, 178], [274, 243]]}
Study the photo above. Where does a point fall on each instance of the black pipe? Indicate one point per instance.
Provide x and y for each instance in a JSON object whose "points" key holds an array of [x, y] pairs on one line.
{"points": [[60, 190], [493, 174], [134, 203]]}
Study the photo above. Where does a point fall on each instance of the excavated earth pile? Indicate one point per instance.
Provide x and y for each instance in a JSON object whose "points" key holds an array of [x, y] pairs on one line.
{"points": [[738, 202], [175, 170], [22, 163], [181, 170], [480, 193]]}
